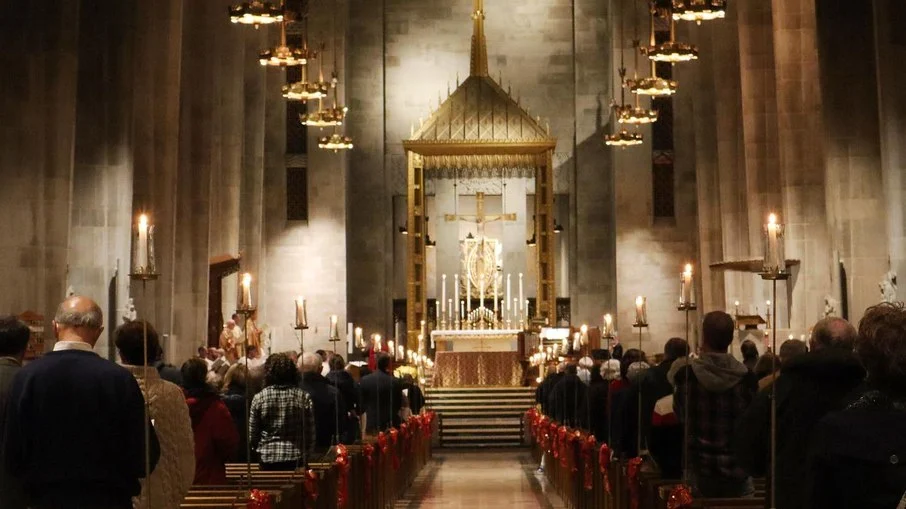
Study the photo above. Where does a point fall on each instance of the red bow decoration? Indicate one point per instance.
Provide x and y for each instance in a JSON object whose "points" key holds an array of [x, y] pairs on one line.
{"points": [[604, 465], [311, 485], [588, 445], [632, 474], [555, 444], [383, 443], [394, 438], [258, 500], [563, 440], [368, 452], [680, 497], [343, 466]]}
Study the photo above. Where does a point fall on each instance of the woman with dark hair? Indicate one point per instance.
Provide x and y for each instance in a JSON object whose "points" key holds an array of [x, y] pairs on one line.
{"points": [[858, 455], [215, 434], [282, 421], [235, 385], [749, 354]]}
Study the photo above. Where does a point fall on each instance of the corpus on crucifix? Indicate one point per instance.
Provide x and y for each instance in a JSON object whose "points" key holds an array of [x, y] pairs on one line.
{"points": [[480, 218]]}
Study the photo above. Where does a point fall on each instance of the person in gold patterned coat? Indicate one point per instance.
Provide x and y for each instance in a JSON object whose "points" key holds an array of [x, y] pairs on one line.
{"points": [[175, 471]]}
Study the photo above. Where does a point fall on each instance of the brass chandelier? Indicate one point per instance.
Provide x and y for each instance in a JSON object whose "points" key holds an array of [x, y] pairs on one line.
{"points": [[699, 10], [256, 13], [335, 142], [669, 51], [653, 85], [305, 91], [627, 113], [326, 117], [623, 139], [284, 55]]}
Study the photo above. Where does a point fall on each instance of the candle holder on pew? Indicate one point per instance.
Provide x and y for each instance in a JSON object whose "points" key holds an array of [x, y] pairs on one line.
{"points": [[245, 312], [774, 269], [143, 267]]}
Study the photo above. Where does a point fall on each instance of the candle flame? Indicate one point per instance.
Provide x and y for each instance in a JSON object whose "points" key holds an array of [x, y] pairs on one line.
{"points": [[246, 280], [638, 301], [358, 331], [584, 329], [143, 221], [688, 268], [377, 338], [772, 218], [608, 319], [768, 302], [333, 319], [736, 303]]}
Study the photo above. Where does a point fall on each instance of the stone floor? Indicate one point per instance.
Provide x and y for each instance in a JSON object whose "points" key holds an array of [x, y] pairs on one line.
{"points": [[481, 479]]}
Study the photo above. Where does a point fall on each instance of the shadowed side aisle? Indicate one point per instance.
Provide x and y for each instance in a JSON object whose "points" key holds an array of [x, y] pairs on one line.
{"points": [[480, 479]]}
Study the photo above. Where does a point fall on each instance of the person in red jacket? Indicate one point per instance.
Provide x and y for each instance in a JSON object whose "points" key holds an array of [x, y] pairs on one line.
{"points": [[216, 438]]}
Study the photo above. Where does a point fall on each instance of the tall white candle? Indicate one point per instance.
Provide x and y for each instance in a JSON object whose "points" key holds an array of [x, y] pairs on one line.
{"points": [[495, 296], [301, 314], [774, 257], [468, 290], [508, 296], [608, 325], [359, 337], [450, 311], [527, 317], [687, 290], [245, 302], [641, 313], [334, 330], [516, 313], [456, 292], [481, 294], [141, 255], [350, 342], [521, 297], [443, 295]]}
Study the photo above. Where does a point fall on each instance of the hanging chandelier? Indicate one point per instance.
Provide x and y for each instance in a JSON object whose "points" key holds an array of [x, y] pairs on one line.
{"points": [[634, 115], [623, 139], [669, 51], [335, 142], [699, 10], [256, 13], [305, 91], [324, 117], [284, 55], [653, 85]]}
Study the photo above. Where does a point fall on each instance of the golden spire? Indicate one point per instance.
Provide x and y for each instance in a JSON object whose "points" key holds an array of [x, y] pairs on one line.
{"points": [[479, 60]]}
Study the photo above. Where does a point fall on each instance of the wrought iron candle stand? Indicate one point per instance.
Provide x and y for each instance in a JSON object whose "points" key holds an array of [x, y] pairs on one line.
{"points": [[773, 276], [146, 274], [687, 307], [246, 313], [641, 326]]}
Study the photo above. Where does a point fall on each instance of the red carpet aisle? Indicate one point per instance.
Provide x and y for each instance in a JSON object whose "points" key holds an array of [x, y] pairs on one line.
{"points": [[480, 480]]}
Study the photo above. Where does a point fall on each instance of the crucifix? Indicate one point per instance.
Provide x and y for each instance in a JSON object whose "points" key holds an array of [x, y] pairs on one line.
{"points": [[479, 218]]}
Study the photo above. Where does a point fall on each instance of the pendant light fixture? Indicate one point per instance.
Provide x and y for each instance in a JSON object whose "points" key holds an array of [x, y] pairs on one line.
{"points": [[626, 113], [284, 55], [653, 85], [699, 10], [670, 51], [256, 13], [335, 115]]}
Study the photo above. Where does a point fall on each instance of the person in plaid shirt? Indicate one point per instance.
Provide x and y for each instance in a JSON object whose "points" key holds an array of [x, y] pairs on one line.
{"points": [[282, 421], [719, 389]]}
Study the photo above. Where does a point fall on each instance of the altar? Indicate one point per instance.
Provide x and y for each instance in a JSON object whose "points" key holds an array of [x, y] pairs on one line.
{"points": [[498, 340]]}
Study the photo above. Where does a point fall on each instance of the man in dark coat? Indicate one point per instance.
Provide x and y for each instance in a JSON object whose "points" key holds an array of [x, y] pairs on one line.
{"points": [[14, 336], [543, 392], [381, 396], [343, 381], [810, 386], [329, 407], [717, 389], [568, 400], [76, 422]]}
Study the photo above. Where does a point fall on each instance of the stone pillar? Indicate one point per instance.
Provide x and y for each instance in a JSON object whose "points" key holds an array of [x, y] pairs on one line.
{"points": [[100, 231], [855, 187], [801, 144]]}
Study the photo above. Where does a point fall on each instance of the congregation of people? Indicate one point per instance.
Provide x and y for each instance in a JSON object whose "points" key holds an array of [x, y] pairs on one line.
{"points": [[80, 431], [840, 408]]}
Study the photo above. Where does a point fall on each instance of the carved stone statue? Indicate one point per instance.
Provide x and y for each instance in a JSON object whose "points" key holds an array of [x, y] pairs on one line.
{"points": [[131, 314], [888, 287], [830, 306]]}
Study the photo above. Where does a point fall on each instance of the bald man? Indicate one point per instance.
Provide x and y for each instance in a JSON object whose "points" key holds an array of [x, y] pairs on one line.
{"points": [[810, 386], [76, 429]]}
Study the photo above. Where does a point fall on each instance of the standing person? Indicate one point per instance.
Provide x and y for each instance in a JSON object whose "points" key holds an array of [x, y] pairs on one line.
{"points": [[282, 423], [555, 373], [856, 454], [329, 406], [167, 408], [718, 389], [343, 381], [98, 461], [14, 336], [235, 385], [660, 426], [568, 400], [216, 438], [381, 396], [749, 351], [810, 386]]}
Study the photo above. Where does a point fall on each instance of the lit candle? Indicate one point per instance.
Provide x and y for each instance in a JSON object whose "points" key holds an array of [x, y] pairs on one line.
{"points": [[527, 317], [334, 331], [359, 337], [608, 325], [481, 293], [774, 257], [141, 250], [391, 347], [641, 311], [443, 296], [245, 300], [468, 290], [350, 340], [583, 337], [736, 304], [301, 315], [495, 296], [686, 296], [377, 343], [576, 342]]}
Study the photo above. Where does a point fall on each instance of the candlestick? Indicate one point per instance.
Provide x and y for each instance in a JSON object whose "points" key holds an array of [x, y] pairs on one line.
{"points": [[522, 312], [245, 292], [687, 294], [456, 292], [301, 314], [468, 290], [391, 347], [508, 296], [607, 332], [140, 256], [359, 337], [436, 315], [774, 256], [527, 317], [641, 311], [736, 304], [450, 314], [516, 309], [443, 295], [334, 330], [350, 342], [495, 296]]}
